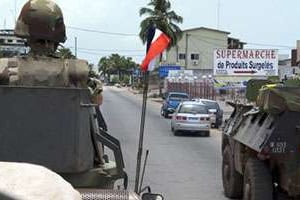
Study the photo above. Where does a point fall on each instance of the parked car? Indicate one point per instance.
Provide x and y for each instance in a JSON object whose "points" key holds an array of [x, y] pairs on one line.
{"points": [[191, 116], [118, 85], [215, 111], [171, 101]]}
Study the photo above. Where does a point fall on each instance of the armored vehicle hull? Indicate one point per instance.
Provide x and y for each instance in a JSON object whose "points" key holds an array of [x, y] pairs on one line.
{"points": [[261, 157]]}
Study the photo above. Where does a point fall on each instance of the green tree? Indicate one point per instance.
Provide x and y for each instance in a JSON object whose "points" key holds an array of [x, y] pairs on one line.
{"points": [[160, 15], [116, 64], [92, 72], [65, 53]]}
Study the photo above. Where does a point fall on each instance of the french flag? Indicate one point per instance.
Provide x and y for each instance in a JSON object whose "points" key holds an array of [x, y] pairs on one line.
{"points": [[157, 43]]}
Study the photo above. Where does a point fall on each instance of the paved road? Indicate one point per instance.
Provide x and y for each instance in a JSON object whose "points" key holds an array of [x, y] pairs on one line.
{"points": [[181, 168]]}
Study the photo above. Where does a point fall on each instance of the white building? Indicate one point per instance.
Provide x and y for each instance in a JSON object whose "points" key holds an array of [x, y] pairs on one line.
{"points": [[198, 44], [286, 68], [10, 45]]}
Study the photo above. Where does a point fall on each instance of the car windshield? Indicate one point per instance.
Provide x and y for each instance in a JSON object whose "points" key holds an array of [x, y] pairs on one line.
{"points": [[178, 96], [211, 104], [193, 109]]}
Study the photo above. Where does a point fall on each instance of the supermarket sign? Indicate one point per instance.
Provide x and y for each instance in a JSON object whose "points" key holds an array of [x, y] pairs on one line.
{"points": [[245, 62]]}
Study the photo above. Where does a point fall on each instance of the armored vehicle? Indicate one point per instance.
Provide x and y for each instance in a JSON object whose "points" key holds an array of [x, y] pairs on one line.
{"points": [[260, 144]]}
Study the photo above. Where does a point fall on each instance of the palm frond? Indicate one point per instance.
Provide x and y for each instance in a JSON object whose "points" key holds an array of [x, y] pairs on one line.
{"points": [[161, 16], [167, 5], [147, 11], [173, 17]]}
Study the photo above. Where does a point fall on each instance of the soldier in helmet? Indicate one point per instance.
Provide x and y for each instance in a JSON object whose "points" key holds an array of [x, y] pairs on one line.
{"points": [[41, 23]]}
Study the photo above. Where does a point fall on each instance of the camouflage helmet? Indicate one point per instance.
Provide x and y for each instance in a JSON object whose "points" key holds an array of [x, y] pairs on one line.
{"points": [[41, 20]]}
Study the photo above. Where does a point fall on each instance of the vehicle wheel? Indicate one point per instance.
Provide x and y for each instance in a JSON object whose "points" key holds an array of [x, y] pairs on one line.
{"points": [[257, 181], [232, 180], [166, 115], [162, 112], [217, 125], [176, 133]]}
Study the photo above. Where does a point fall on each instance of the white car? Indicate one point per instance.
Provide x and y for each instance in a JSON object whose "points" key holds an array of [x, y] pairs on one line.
{"points": [[216, 113], [191, 116]]}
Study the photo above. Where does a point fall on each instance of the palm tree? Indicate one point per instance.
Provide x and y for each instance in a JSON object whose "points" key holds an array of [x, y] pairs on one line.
{"points": [[65, 53], [116, 64], [162, 17], [105, 67]]}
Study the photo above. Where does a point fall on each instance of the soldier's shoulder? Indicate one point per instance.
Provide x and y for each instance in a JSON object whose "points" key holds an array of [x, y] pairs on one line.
{"points": [[78, 61]]}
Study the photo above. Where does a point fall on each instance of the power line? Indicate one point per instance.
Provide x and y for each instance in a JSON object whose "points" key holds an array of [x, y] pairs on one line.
{"points": [[102, 32], [102, 54], [112, 50]]}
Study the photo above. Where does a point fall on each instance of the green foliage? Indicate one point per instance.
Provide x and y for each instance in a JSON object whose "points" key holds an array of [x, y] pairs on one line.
{"points": [[292, 83], [274, 79], [92, 72], [115, 79], [253, 87], [125, 79], [64, 53], [116, 64], [161, 16]]}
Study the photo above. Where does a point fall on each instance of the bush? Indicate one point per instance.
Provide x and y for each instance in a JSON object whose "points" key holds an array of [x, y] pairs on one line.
{"points": [[115, 79], [126, 80]]}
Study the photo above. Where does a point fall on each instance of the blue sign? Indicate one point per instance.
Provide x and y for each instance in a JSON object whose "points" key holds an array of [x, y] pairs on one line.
{"points": [[164, 70], [137, 73]]}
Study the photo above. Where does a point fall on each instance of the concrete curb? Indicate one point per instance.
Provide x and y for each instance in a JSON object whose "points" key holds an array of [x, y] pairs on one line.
{"points": [[135, 92], [156, 100]]}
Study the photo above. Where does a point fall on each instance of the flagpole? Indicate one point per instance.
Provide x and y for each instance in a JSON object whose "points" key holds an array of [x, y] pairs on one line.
{"points": [[150, 35], [157, 42], [142, 128]]}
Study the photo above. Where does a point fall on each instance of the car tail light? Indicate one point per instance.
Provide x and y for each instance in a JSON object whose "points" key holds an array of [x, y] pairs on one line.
{"points": [[202, 118], [180, 118], [207, 118]]}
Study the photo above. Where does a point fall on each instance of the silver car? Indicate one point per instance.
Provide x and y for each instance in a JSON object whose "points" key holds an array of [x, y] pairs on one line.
{"points": [[214, 110], [191, 116]]}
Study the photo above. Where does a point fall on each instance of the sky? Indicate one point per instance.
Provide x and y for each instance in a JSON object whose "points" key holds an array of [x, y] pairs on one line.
{"points": [[260, 23]]}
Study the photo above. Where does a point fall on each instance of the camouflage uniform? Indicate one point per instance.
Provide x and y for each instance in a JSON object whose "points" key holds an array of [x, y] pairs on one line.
{"points": [[41, 24]]}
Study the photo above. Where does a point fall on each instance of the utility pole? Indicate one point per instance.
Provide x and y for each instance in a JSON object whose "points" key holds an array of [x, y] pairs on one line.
{"points": [[218, 14], [177, 52], [75, 47], [15, 12], [186, 50]]}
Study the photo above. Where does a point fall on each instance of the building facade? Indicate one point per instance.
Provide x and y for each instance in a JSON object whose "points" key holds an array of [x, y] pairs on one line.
{"points": [[195, 49], [10, 45]]}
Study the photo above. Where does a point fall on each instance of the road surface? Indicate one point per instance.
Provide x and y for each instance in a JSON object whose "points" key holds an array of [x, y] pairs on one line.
{"points": [[179, 167]]}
